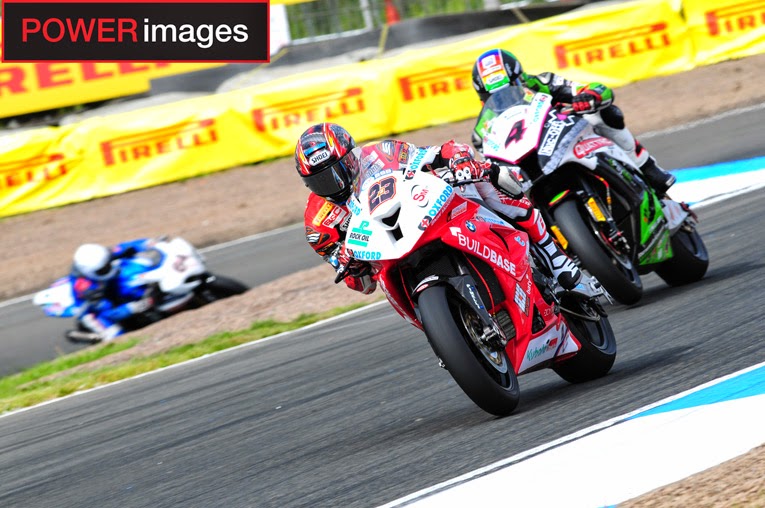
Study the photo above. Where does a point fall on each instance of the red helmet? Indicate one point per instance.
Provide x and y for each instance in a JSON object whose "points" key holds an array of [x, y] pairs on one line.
{"points": [[325, 161]]}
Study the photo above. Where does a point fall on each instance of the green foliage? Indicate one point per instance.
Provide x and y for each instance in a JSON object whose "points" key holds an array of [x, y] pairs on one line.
{"points": [[54, 379], [325, 17]]}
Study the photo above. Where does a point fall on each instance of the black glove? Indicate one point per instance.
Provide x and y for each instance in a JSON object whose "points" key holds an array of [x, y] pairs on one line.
{"points": [[355, 268], [128, 252]]}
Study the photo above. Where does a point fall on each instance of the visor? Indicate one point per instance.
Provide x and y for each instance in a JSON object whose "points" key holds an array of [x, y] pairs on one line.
{"points": [[104, 270], [332, 180]]}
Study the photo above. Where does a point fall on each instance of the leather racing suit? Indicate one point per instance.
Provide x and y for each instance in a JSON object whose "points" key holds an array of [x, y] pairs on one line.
{"points": [[326, 223]]}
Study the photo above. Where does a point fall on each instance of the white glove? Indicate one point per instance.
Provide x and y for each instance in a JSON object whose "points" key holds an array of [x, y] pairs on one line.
{"points": [[141, 305]]}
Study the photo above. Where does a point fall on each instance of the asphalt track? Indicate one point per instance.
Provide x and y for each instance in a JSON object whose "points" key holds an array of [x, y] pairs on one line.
{"points": [[355, 412], [28, 337]]}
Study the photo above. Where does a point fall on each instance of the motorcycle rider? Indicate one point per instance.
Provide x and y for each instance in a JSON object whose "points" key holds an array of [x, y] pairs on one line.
{"points": [[94, 274], [497, 68], [327, 160]]}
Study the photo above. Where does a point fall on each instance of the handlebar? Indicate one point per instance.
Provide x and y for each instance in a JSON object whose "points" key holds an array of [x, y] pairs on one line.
{"points": [[460, 183], [342, 272]]}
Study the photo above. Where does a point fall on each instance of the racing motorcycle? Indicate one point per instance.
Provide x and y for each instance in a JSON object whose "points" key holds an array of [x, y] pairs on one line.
{"points": [[172, 266], [468, 279], [591, 194]]}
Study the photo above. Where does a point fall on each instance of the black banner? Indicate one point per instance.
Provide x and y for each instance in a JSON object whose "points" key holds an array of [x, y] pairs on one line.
{"points": [[166, 31]]}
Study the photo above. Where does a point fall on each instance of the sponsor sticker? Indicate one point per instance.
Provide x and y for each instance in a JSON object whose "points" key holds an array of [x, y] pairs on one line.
{"points": [[318, 157]]}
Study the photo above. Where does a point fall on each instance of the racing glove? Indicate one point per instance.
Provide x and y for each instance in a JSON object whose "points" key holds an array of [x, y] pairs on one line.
{"points": [[587, 101], [465, 167], [150, 298], [359, 276], [452, 148], [141, 305]]}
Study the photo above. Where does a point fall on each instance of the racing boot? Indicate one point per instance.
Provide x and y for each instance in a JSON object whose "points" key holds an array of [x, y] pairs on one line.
{"points": [[590, 287], [656, 177], [100, 330], [563, 269], [568, 275], [83, 336]]}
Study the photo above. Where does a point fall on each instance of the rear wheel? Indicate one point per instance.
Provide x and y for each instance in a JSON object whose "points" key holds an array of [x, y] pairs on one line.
{"points": [[452, 328], [689, 261], [598, 352], [616, 272]]}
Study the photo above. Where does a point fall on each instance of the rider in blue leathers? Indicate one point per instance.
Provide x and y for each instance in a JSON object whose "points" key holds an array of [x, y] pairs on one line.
{"points": [[96, 285]]}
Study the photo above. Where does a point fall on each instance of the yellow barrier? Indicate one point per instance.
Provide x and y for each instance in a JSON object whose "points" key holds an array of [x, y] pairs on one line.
{"points": [[30, 87], [614, 45], [108, 155], [725, 29], [33, 166]]}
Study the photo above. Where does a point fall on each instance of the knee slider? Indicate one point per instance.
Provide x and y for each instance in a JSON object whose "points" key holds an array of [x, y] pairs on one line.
{"points": [[504, 180]]}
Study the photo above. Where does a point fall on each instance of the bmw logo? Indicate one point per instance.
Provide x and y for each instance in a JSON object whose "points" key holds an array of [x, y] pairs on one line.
{"points": [[470, 226]]}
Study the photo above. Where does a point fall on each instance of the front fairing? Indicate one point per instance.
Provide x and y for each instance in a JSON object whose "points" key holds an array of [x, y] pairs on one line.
{"points": [[514, 119], [58, 300], [175, 266], [390, 213], [516, 123]]}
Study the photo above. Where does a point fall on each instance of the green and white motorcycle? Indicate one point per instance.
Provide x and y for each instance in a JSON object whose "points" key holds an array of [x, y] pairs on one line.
{"points": [[591, 195]]}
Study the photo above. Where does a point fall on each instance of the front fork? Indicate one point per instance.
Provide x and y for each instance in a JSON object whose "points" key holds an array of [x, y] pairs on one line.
{"points": [[601, 215], [464, 284], [605, 220]]}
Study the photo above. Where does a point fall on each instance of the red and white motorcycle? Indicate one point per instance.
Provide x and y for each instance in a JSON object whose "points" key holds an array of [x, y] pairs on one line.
{"points": [[470, 281]]}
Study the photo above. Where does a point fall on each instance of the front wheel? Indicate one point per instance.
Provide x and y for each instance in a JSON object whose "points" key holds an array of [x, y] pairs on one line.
{"points": [[689, 261], [598, 352], [617, 273], [486, 376]]}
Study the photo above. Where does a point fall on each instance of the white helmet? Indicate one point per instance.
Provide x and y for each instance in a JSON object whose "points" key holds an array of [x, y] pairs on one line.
{"points": [[94, 261]]}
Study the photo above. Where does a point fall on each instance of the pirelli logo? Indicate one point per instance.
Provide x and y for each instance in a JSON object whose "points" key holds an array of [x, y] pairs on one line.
{"points": [[612, 45], [40, 168], [740, 17], [308, 110], [150, 144], [441, 81]]}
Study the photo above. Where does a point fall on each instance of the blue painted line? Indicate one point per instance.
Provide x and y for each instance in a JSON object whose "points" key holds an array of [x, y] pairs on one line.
{"points": [[746, 385], [721, 169]]}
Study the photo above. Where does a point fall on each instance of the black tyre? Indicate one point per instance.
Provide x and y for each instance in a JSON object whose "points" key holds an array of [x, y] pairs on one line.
{"points": [[598, 352], [617, 273], [486, 377], [689, 261], [223, 287]]}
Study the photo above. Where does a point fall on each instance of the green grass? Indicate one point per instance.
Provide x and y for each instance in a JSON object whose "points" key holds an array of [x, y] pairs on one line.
{"points": [[40, 382]]}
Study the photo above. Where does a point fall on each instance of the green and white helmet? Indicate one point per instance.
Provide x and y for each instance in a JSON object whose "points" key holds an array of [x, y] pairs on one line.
{"points": [[495, 69]]}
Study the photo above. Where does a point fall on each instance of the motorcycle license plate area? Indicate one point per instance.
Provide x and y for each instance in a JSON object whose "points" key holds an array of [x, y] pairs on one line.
{"points": [[391, 213]]}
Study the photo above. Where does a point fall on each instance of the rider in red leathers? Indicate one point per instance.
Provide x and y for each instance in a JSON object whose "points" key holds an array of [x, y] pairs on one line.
{"points": [[326, 158]]}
